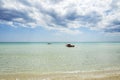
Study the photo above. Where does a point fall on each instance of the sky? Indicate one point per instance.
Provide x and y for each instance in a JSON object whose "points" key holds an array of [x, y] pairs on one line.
{"points": [[59, 20]]}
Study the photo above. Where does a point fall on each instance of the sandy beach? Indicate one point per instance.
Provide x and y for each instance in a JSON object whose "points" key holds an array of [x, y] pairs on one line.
{"points": [[95, 75]]}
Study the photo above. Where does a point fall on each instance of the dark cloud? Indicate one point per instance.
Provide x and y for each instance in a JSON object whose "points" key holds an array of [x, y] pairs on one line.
{"points": [[116, 23], [112, 30], [25, 2], [113, 27], [56, 18], [72, 16], [10, 15], [14, 16], [54, 1], [91, 18]]}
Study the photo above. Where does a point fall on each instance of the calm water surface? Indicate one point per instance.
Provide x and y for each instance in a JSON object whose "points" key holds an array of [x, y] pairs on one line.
{"points": [[44, 58]]}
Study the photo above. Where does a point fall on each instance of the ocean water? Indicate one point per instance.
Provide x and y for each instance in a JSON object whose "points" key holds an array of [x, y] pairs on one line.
{"points": [[56, 57]]}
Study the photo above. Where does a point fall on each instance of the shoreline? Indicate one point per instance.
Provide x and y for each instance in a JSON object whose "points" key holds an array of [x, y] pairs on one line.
{"points": [[95, 75]]}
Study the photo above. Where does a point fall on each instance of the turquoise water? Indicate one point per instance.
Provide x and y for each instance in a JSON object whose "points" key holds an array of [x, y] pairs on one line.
{"points": [[44, 58]]}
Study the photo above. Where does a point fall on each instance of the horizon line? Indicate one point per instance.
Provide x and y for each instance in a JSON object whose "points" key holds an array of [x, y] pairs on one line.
{"points": [[53, 41]]}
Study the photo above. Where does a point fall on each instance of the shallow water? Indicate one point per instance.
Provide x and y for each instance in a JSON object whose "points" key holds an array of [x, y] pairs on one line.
{"points": [[56, 57]]}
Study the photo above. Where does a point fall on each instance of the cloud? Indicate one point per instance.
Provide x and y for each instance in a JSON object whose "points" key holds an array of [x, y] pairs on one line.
{"points": [[62, 15], [114, 26]]}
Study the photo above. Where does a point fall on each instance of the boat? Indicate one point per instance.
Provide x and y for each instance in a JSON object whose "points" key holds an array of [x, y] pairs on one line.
{"points": [[49, 43], [70, 45]]}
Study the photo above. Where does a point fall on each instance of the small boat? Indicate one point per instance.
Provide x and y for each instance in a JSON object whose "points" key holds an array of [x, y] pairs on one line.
{"points": [[49, 43], [70, 45]]}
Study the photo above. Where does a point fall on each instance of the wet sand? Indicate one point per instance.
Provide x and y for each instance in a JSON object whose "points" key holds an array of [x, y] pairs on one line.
{"points": [[96, 75]]}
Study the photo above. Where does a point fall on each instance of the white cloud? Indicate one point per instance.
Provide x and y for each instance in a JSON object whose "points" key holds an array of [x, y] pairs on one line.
{"points": [[62, 15]]}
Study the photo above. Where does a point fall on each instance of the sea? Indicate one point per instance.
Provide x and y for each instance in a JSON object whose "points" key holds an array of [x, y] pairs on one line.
{"points": [[44, 57]]}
